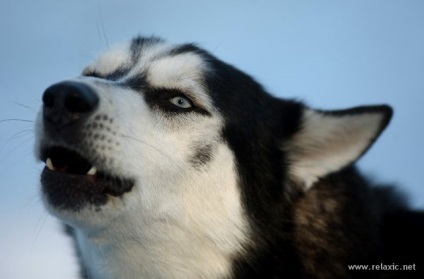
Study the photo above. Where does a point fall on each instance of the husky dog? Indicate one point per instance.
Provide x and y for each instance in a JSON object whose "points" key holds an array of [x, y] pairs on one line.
{"points": [[166, 162]]}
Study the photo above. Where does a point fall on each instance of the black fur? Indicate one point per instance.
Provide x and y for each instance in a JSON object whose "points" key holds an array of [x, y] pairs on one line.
{"points": [[341, 220], [140, 43], [256, 124], [346, 222]]}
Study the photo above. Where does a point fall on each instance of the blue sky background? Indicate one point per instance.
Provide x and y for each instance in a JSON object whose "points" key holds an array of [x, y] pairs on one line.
{"points": [[331, 54]]}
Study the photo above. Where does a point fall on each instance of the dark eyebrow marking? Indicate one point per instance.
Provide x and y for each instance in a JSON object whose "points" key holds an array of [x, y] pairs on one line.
{"points": [[137, 82], [139, 43], [115, 75], [185, 48], [136, 47]]}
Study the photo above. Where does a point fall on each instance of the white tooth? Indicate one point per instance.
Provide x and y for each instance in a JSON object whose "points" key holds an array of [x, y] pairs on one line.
{"points": [[92, 171], [49, 164]]}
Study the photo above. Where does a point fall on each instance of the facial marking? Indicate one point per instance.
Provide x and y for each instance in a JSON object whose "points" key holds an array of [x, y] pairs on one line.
{"points": [[140, 44], [202, 156]]}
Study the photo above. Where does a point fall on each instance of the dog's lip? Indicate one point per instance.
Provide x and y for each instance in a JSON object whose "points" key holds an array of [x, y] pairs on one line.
{"points": [[48, 173], [98, 181]]}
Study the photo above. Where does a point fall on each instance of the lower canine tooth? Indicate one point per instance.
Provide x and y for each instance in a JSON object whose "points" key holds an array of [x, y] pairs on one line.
{"points": [[49, 164], [92, 171]]}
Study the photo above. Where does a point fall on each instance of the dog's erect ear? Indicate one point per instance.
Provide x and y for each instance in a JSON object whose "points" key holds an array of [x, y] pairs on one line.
{"points": [[331, 140]]}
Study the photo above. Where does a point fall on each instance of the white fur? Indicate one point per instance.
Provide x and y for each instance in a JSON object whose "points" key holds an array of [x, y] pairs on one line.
{"points": [[178, 221], [327, 143], [111, 60], [176, 71], [190, 232]]}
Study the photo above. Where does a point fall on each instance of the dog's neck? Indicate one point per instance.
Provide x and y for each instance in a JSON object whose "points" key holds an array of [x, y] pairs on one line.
{"points": [[171, 253], [189, 237]]}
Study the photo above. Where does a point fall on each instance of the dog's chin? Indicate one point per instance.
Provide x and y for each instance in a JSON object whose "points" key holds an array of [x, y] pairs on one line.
{"points": [[70, 183]]}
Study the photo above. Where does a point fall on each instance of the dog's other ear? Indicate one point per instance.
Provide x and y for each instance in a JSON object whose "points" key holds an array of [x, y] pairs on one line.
{"points": [[331, 140]]}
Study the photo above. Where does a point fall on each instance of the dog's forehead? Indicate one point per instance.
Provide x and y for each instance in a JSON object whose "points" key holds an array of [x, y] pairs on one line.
{"points": [[162, 64], [181, 70]]}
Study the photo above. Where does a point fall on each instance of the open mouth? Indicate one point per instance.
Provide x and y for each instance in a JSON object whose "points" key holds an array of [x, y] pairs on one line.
{"points": [[67, 162], [70, 181]]}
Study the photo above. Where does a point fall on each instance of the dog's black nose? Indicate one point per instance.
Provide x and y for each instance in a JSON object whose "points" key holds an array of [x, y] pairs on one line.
{"points": [[67, 102]]}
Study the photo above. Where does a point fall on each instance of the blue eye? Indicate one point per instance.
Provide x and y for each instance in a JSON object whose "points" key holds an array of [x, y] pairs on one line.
{"points": [[181, 102]]}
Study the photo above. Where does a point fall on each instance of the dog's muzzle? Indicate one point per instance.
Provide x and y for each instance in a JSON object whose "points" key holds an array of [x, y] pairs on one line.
{"points": [[75, 175]]}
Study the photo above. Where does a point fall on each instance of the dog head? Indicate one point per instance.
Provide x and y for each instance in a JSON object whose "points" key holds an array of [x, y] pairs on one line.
{"points": [[155, 133]]}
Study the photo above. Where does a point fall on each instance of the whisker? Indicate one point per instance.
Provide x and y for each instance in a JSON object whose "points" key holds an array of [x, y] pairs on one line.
{"points": [[16, 119], [39, 226], [33, 201], [149, 145], [24, 106], [102, 26], [6, 143], [13, 149], [18, 134]]}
